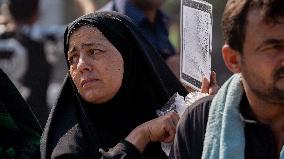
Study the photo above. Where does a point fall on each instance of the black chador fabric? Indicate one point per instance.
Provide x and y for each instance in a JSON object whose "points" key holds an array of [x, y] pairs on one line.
{"points": [[19, 129], [78, 129]]}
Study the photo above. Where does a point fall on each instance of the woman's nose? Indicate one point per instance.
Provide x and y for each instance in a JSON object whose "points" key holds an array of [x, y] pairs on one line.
{"points": [[83, 64]]}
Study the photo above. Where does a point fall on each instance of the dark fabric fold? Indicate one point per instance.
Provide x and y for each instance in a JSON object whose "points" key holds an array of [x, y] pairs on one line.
{"points": [[20, 130]]}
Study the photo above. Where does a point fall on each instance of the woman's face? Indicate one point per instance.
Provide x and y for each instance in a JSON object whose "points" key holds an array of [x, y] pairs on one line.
{"points": [[96, 66]]}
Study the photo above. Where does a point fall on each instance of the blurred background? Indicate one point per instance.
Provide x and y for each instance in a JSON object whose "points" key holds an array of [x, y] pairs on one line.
{"points": [[68, 12], [64, 11], [60, 12]]}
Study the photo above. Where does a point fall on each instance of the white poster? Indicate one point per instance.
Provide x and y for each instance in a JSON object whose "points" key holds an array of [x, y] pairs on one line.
{"points": [[196, 42]]}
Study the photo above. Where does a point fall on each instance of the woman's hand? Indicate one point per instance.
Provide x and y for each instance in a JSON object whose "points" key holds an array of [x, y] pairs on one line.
{"points": [[161, 129]]}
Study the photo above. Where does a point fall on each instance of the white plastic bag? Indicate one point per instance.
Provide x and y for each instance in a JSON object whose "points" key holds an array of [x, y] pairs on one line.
{"points": [[178, 104]]}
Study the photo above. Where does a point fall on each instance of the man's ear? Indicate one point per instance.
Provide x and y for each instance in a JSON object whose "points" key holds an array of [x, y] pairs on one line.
{"points": [[232, 59]]}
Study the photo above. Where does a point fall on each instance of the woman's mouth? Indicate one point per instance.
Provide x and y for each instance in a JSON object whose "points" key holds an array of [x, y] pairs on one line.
{"points": [[87, 82]]}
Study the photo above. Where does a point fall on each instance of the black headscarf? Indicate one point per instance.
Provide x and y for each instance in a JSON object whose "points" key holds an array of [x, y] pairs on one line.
{"points": [[147, 84], [19, 129]]}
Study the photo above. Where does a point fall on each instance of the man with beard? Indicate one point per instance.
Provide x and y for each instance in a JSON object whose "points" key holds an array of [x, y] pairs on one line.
{"points": [[152, 22], [245, 119]]}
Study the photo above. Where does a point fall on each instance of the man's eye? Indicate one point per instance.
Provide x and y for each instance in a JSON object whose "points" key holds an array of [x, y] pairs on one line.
{"points": [[279, 47], [273, 48]]}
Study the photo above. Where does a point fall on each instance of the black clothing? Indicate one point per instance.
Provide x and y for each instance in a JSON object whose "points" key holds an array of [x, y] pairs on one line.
{"points": [[19, 129], [191, 130], [123, 150], [190, 135], [78, 129]]}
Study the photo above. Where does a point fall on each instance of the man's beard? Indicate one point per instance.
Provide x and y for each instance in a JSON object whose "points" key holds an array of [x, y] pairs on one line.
{"points": [[263, 89]]}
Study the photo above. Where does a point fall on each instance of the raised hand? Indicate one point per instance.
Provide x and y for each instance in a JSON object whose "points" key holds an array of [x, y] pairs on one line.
{"points": [[161, 129]]}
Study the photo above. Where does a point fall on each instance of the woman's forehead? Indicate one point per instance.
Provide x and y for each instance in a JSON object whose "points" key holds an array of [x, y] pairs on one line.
{"points": [[87, 36], [87, 33], [83, 28]]}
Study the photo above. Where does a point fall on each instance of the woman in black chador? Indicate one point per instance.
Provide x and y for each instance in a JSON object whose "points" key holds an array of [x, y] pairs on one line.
{"points": [[19, 129], [115, 84]]}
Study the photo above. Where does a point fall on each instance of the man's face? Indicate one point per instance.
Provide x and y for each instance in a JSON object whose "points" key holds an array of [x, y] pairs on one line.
{"points": [[96, 66], [262, 62], [148, 4]]}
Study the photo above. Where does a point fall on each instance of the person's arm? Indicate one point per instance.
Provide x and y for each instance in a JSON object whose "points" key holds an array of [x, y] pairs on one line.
{"points": [[123, 150], [86, 6], [160, 129]]}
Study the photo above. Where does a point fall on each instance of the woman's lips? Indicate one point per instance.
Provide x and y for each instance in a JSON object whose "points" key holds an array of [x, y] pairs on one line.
{"points": [[87, 82]]}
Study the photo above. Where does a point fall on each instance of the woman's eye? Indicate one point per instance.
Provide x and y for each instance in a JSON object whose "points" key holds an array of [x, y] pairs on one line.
{"points": [[94, 52], [73, 59]]}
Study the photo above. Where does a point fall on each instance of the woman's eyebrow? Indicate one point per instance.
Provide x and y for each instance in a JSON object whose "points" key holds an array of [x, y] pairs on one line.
{"points": [[71, 51], [92, 44], [84, 45], [88, 44]]}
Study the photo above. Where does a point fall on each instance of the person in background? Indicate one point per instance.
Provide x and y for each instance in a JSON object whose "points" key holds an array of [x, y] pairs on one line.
{"points": [[86, 6], [152, 22], [31, 54], [115, 84], [245, 119], [35, 67], [20, 130]]}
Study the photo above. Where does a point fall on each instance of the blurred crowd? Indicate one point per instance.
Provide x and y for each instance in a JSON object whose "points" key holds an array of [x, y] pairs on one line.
{"points": [[96, 83], [32, 53]]}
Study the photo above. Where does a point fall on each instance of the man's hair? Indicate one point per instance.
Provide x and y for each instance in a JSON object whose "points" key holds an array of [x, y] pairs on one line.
{"points": [[235, 15], [23, 10]]}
